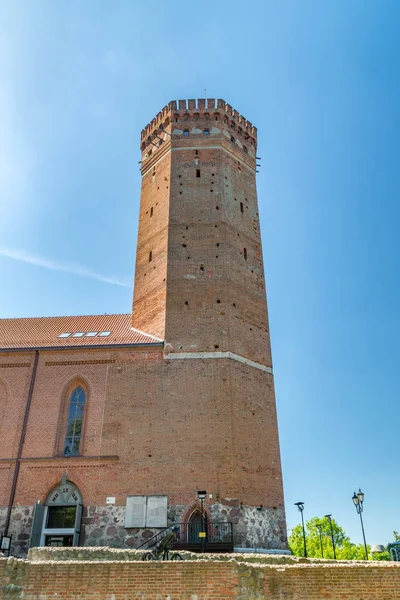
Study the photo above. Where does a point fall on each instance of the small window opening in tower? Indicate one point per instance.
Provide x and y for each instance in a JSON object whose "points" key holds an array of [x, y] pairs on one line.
{"points": [[151, 211], [196, 152], [197, 172], [233, 139], [233, 124], [245, 149], [150, 152], [201, 268], [245, 253], [186, 132], [150, 256], [241, 207], [206, 131]]}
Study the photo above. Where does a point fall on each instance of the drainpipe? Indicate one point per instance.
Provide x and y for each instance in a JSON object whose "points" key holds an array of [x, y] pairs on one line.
{"points": [[21, 444]]}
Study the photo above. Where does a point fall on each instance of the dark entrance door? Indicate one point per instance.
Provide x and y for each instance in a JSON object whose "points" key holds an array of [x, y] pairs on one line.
{"points": [[196, 526]]}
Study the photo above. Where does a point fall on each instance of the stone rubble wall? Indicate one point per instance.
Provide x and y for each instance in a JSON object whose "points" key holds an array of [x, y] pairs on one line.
{"points": [[104, 526], [20, 528]]}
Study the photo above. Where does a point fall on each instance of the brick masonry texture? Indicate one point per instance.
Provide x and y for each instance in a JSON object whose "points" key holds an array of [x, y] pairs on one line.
{"points": [[87, 575], [165, 419]]}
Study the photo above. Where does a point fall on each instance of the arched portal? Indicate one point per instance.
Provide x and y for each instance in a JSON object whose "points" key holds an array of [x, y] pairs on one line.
{"points": [[197, 525], [62, 516]]}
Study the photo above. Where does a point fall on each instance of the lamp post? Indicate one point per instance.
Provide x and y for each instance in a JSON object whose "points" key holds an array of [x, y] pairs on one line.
{"points": [[202, 494], [329, 517], [300, 506], [358, 500], [319, 527]]}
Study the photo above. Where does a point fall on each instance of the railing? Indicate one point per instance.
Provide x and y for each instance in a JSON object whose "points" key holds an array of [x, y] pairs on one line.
{"points": [[191, 533], [215, 532], [156, 539], [395, 551]]}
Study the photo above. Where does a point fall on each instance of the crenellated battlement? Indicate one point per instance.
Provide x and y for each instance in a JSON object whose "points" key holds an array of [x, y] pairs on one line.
{"points": [[201, 108]]}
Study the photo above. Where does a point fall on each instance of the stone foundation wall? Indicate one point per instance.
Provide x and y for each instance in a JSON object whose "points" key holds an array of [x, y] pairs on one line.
{"points": [[252, 527], [104, 526], [95, 574], [20, 528]]}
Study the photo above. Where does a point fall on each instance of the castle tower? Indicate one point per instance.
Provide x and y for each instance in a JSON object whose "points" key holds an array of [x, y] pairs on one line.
{"points": [[199, 285]]}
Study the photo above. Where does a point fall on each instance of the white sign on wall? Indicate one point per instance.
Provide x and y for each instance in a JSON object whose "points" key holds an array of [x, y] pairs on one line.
{"points": [[135, 513], [156, 511], [146, 511]]}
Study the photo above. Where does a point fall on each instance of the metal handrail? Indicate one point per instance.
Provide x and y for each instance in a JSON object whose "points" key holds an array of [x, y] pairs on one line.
{"points": [[157, 538], [216, 531]]}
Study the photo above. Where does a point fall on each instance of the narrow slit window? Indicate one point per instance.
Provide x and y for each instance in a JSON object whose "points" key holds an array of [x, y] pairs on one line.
{"points": [[245, 253], [75, 422], [206, 131], [150, 256], [197, 172], [186, 132], [241, 207], [233, 139], [151, 211]]}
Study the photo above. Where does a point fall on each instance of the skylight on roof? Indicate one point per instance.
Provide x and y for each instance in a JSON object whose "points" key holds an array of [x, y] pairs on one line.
{"points": [[64, 335], [104, 333], [78, 334], [91, 334]]}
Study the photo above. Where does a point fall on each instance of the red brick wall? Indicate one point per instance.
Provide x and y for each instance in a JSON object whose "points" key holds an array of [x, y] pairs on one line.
{"points": [[148, 312], [198, 580], [148, 428]]}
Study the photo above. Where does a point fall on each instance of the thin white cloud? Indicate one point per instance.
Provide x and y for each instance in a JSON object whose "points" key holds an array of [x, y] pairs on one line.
{"points": [[70, 268]]}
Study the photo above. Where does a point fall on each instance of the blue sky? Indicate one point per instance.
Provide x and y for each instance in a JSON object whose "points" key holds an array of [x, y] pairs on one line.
{"points": [[321, 81]]}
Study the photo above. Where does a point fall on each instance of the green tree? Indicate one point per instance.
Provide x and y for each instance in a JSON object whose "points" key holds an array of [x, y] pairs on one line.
{"points": [[345, 549]]}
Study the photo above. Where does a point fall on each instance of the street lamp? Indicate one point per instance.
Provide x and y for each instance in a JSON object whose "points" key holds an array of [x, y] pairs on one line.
{"points": [[358, 500], [319, 527], [300, 506], [202, 494], [329, 517]]}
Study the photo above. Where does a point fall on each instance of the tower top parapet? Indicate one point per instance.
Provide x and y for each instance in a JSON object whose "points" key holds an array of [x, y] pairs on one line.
{"points": [[197, 108]]}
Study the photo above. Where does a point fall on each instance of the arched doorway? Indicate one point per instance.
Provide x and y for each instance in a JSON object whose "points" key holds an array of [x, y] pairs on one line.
{"points": [[62, 516], [197, 524]]}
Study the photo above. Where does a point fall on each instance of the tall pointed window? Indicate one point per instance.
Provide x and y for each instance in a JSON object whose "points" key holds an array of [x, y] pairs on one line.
{"points": [[75, 422]]}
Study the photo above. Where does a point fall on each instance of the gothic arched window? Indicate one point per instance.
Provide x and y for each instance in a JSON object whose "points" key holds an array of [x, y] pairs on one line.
{"points": [[75, 422]]}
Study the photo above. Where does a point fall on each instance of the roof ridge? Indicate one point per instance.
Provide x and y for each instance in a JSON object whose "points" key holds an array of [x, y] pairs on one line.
{"points": [[64, 316]]}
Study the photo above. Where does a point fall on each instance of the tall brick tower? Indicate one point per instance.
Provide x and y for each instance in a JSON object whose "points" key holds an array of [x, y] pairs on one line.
{"points": [[199, 285]]}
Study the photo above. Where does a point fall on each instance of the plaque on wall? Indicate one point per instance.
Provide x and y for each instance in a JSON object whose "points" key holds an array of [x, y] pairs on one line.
{"points": [[135, 513], [157, 511]]}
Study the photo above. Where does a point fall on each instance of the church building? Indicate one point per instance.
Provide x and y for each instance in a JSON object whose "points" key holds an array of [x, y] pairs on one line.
{"points": [[114, 428]]}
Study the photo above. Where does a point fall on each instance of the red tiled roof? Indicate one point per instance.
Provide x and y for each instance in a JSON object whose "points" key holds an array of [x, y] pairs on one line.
{"points": [[43, 332]]}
